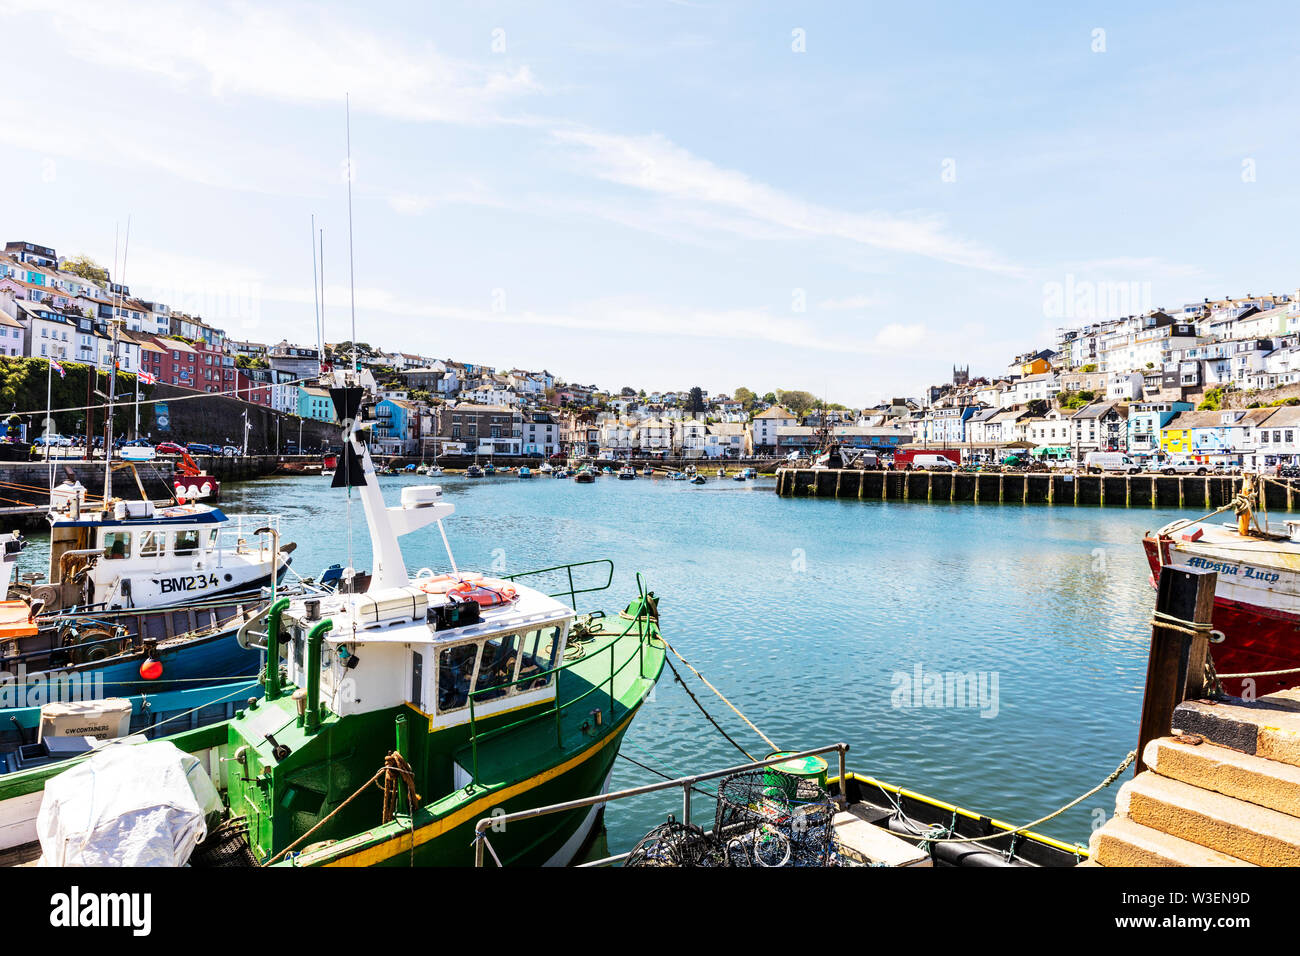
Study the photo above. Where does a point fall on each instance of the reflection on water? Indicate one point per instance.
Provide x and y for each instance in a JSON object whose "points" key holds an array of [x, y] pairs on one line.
{"points": [[806, 612]]}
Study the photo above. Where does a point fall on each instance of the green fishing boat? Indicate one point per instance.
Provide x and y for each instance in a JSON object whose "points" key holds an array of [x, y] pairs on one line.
{"points": [[405, 708]]}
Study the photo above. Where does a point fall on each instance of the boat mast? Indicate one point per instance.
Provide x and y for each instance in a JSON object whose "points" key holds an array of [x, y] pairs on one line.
{"points": [[112, 369], [352, 279]]}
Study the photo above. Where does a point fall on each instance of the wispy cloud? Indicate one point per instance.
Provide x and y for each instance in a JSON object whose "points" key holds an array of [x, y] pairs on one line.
{"points": [[658, 166], [239, 48]]}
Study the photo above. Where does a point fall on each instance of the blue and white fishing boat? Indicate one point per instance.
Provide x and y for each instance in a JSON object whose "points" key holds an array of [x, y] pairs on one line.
{"points": [[137, 598]]}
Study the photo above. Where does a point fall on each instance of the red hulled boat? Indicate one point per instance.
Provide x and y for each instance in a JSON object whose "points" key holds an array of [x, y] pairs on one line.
{"points": [[1257, 597]]}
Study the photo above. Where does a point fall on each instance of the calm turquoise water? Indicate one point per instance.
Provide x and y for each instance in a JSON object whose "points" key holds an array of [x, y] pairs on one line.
{"points": [[803, 612]]}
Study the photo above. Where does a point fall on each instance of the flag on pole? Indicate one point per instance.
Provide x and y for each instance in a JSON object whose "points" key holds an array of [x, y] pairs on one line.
{"points": [[57, 367], [145, 378]]}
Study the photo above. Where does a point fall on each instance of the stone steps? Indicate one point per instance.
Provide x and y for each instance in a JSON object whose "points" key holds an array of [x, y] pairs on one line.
{"points": [[1124, 842], [1254, 779], [1246, 831], [1268, 727]]}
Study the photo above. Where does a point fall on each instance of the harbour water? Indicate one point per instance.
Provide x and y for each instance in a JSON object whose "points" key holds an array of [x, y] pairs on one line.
{"points": [[823, 621]]}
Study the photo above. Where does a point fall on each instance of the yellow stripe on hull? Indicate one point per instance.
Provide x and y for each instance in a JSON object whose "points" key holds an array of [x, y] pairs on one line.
{"points": [[402, 843]]}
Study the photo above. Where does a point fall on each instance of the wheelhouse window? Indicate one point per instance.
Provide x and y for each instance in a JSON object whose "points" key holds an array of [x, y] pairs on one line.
{"points": [[455, 675], [152, 543], [500, 655], [538, 655], [117, 544], [186, 542]]}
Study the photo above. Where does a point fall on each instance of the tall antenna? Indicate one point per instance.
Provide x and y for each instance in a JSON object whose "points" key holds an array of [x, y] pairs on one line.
{"points": [[112, 365], [320, 336], [315, 290], [352, 279]]}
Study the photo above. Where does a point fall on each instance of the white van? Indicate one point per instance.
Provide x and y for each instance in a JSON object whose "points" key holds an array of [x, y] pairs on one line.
{"points": [[1099, 461], [933, 463]]}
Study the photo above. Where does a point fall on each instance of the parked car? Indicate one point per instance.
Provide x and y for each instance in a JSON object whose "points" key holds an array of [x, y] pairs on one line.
{"points": [[1179, 466], [169, 448], [932, 463], [137, 450], [54, 441], [230, 451], [198, 448], [1099, 461]]}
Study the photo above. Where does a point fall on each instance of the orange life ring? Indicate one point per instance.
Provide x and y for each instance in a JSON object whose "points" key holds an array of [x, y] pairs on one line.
{"points": [[486, 593], [445, 582]]}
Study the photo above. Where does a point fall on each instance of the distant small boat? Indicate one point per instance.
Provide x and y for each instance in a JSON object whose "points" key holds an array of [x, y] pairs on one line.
{"points": [[647, 471], [607, 470], [626, 473], [722, 473], [699, 480], [327, 472], [546, 468], [434, 470], [473, 471], [524, 472], [560, 473], [678, 476], [490, 469], [585, 476], [738, 476]]}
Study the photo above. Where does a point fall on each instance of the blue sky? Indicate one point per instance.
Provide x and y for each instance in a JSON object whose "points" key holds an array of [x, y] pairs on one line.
{"points": [[662, 194]]}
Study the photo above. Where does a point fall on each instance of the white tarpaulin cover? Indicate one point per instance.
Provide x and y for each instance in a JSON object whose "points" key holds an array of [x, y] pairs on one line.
{"points": [[129, 804]]}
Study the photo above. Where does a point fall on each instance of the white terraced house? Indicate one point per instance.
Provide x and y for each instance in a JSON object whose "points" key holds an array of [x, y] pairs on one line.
{"points": [[763, 429], [1031, 388]]}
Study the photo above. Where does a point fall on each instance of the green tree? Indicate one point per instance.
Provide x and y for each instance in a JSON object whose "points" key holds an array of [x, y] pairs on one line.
{"points": [[744, 396], [87, 268], [697, 399], [1212, 401], [799, 402], [769, 398], [1090, 367]]}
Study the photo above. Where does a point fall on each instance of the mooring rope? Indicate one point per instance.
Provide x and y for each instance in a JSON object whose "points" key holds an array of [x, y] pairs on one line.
{"points": [[1193, 628], [1171, 623], [1290, 670], [766, 738], [707, 715], [1114, 775]]}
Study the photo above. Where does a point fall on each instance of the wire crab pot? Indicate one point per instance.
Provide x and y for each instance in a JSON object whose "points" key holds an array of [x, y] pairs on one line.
{"points": [[676, 844], [771, 818], [764, 818]]}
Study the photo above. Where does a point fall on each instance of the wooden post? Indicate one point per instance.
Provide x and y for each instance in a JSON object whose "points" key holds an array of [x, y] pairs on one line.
{"points": [[1176, 664]]}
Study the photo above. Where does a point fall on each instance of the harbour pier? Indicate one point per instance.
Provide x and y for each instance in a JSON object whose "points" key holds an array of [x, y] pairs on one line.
{"points": [[1142, 491]]}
